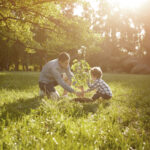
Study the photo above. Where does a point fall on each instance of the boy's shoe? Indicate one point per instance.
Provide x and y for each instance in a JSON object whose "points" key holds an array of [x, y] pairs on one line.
{"points": [[54, 95], [41, 93]]}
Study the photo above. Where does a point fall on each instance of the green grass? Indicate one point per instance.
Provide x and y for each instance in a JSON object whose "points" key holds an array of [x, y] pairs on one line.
{"points": [[28, 122]]}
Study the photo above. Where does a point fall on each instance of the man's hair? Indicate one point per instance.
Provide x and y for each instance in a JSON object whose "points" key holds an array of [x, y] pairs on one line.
{"points": [[96, 72], [63, 56]]}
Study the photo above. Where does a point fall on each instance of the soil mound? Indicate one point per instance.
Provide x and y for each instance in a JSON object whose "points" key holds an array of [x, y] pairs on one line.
{"points": [[83, 100]]}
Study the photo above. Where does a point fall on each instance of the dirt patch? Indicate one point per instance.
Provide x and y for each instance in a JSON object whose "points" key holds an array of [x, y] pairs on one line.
{"points": [[83, 100]]}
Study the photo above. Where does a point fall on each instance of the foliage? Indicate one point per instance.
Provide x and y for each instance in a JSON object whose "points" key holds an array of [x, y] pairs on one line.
{"points": [[42, 24], [46, 26], [27, 122], [49, 27]]}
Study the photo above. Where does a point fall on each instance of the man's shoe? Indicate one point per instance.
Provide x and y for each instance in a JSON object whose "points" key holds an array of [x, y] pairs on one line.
{"points": [[41, 93], [54, 95]]}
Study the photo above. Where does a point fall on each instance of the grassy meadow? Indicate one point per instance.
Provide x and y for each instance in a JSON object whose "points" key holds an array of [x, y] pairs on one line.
{"points": [[30, 123]]}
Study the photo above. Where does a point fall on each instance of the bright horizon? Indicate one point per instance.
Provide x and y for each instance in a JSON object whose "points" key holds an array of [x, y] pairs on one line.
{"points": [[123, 4], [128, 4]]}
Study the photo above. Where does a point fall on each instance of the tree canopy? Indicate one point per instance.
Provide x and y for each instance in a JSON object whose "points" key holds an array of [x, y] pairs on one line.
{"points": [[34, 31]]}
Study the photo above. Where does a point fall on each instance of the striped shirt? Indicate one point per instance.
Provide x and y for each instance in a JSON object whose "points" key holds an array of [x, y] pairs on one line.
{"points": [[101, 86]]}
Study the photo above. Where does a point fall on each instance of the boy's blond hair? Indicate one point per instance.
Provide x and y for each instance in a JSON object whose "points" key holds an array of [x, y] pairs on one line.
{"points": [[96, 72]]}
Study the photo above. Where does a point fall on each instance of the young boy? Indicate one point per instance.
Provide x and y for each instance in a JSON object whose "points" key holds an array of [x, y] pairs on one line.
{"points": [[103, 90]]}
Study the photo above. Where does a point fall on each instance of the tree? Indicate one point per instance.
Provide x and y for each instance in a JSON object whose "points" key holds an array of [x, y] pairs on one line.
{"points": [[47, 25]]}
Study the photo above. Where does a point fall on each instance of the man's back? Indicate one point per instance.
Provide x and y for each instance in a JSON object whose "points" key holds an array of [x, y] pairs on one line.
{"points": [[46, 74], [52, 73]]}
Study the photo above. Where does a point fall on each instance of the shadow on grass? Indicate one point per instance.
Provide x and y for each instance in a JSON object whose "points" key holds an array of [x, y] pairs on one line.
{"points": [[90, 105], [15, 111], [78, 109], [93, 107]]}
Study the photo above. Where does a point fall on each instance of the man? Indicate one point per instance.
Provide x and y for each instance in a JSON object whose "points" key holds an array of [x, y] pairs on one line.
{"points": [[52, 75]]}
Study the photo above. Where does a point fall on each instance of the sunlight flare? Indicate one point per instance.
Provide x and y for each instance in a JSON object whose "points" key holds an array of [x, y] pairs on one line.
{"points": [[123, 4], [78, 10], [129, 4]]}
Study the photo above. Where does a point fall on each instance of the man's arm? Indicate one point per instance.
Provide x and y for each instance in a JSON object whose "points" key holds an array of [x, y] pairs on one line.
{"points": [[60, 81]]}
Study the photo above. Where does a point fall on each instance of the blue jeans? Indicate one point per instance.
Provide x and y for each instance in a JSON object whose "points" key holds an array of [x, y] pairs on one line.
{"points": [[47, 87], [98, 95]]}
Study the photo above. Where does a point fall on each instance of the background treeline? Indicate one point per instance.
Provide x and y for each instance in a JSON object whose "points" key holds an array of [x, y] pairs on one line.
{"points": [[35, 31]]}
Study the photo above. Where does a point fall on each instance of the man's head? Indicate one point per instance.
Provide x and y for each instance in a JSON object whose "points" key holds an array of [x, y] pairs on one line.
{"points": [[64, 59], [96, 72]]}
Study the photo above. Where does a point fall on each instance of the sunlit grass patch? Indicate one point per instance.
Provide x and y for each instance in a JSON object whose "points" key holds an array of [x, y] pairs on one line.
{"points": [[29, 122]]}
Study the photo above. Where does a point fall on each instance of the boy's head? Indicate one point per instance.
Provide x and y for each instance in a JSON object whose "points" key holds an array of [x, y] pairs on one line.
{"points": [[96, 72], [64, 59]]}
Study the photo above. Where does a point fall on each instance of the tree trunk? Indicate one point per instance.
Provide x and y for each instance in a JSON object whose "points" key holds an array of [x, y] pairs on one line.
{"points": [[16, 66]]}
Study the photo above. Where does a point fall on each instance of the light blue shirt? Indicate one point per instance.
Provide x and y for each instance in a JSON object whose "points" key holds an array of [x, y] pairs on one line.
{"points": [[52, 72]]}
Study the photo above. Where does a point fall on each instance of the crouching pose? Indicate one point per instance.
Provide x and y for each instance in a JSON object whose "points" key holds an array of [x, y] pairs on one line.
{"points": [[52, 75], [101, 87]]}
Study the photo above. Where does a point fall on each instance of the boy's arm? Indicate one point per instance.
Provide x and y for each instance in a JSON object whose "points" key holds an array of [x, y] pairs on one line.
{"points": [[60, 81], [92, 87]]}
